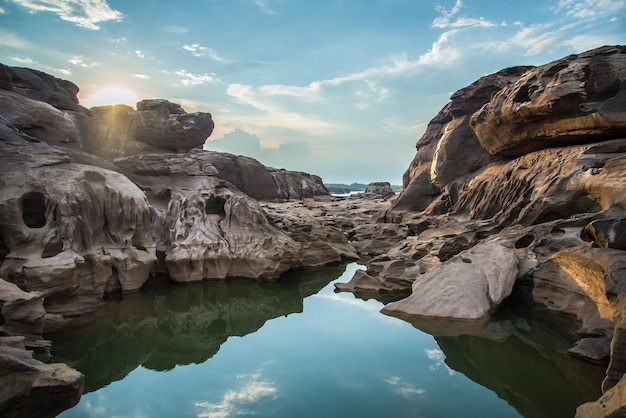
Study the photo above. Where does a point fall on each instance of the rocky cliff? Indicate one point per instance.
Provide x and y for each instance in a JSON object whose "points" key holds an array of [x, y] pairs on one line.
{"points": [[523, 171]]}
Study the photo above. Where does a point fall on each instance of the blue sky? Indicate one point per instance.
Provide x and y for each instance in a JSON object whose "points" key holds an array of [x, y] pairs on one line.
{"points": [[339, 88]]}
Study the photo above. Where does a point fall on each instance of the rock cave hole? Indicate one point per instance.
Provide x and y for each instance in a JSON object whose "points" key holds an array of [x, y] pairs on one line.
{"points": [[215, 206], [4, 250], [524, 241], [34, 209]]}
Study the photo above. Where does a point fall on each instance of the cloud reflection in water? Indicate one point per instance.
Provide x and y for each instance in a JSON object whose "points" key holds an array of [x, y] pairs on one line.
{"points": [[232, 404]]}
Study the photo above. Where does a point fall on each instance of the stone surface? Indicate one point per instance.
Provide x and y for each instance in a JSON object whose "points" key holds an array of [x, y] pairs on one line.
{"points": [[449, 149], [381, 190], [577, 99], [470, 286], [69, 229], [265, 183], [205, 227], [611, 405], [31, 388]]}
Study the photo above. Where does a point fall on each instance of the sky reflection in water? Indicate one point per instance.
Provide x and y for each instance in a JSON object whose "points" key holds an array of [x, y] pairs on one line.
{"points": [[225, 349]]}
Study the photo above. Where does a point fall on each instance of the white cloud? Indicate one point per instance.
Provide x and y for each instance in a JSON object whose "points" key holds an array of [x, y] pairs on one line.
{"points": [[79, 61], [2, 11], [141, 76], [233, 402], [21, 60], [190, 79], [201, 51], [64, 71], [350, 300], [84, 13], [140, 54], [590, 9], [404, 389], [446, 20]]}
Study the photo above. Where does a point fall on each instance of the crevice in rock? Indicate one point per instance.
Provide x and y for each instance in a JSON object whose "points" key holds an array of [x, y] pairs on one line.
{"points": [[34, 209], [4, 250], [52, 248], [524, 241], [113, 285]]}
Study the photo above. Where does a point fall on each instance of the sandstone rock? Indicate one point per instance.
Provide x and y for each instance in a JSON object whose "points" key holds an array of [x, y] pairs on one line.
{"points": [[576, 99], [608, 233], [166, 125], [449, 148], [206, 228], [611, 405], [380, 190], [68, 229], [22, 312], [39, 86], [470, 286], [264, 183], [595, 350], [580, 281], [31, 388]]}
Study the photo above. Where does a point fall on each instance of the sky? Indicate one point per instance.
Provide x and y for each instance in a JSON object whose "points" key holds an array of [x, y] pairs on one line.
{"points": [[338, 88]]}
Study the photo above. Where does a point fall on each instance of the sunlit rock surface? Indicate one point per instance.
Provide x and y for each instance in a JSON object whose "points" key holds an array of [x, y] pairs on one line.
{"points": [[577, 99], [470, 286]]}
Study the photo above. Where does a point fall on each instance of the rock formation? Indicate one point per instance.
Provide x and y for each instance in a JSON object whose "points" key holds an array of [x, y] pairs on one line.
{"points": [[30, 387]]}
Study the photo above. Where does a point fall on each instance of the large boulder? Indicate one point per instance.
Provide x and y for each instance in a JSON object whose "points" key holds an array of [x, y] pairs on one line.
{"points": [[577, 99], [449, 149], [71, 230], [262, 182], [469, 286], [205, 227]]}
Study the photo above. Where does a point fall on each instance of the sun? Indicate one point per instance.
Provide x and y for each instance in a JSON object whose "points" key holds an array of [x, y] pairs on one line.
{"points": [[111, 95]]}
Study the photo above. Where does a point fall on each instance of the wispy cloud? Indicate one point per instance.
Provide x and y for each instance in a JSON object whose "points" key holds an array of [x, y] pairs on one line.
{"points": [[237, 402], [262, 4], [12, 40], [79, 61], [190, 79], [201, 51], [64, 71], [449, 19], [140, 54], [21, 60], [141, 76], [590, 9], [404, 389], [84, 13]]}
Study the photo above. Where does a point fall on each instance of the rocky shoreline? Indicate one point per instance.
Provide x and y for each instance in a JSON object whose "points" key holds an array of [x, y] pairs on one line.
{"points": [[517, 183]]}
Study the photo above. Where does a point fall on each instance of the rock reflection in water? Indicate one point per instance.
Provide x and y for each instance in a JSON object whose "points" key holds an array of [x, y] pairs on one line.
{"points": [[521, 355], [168, 324]]}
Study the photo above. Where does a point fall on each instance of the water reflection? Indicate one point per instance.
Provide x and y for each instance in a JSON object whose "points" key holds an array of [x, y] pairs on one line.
{"points": [[521, 355], [167, 324]]}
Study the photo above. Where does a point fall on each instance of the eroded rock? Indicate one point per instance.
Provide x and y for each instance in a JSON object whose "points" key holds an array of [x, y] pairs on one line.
{"points": [[577, 99], [470, 286]]}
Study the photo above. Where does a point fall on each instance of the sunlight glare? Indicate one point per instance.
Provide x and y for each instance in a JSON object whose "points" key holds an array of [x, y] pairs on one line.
{"points": [[111, 96]]}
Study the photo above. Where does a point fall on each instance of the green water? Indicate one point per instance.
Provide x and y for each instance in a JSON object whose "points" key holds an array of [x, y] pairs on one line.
{"points": [[298, 349]]}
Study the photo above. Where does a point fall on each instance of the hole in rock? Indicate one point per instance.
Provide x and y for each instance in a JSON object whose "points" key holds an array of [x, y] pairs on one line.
{"points": [[34, 209], [524, 241], [52, 248], [522, 95], [215, 206], [4, 250]]}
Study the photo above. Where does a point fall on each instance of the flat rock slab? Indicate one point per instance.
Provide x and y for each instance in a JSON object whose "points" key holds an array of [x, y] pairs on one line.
{"points": [[470, 286]]}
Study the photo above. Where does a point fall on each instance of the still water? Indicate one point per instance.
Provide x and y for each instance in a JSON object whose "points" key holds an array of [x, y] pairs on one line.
{"points": [[298, 349]]}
